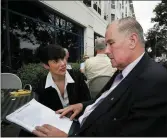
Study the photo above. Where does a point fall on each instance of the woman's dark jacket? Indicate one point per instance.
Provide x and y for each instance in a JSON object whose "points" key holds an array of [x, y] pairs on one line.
{"points": [[77, 92]]}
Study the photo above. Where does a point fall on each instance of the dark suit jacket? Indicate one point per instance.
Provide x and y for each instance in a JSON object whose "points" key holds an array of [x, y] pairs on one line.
{"points": [[136, 107], [77, 92]]}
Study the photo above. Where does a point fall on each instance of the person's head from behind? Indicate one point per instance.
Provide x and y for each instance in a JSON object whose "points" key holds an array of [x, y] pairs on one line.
{"points": [[85, 57], [67, 54], [53, 59], [125, 42], [100, 45]]}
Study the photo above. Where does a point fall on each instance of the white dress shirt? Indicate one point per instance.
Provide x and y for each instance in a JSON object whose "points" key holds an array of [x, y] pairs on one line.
{"points": [[68, 66], [68, 79], [91, 107]]}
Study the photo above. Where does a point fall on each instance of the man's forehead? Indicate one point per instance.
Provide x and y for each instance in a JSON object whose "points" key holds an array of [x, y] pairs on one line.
{"points": [[110, 34], [114, 24]]}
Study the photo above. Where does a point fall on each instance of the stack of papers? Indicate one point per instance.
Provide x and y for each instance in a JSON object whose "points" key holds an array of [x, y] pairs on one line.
{"points": [[35, 114]]}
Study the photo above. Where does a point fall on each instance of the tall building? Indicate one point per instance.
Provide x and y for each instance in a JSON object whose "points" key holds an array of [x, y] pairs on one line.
{"points": [[116, 9], [26, 25]]}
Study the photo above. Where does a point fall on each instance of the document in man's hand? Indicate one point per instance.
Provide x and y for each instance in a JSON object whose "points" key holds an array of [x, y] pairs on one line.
{"points": [[35, 114]]}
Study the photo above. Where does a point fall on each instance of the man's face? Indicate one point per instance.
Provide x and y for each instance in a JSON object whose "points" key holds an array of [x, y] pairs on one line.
{"points": [[67, 56], [117, 47], [57, 67]]}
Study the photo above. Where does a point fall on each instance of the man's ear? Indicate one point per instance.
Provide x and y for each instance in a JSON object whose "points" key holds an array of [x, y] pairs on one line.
{"points": [[133, 40], [45, 66]]}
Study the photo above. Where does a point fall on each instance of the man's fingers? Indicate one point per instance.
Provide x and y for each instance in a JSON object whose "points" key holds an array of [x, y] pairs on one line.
{"points": [[39, 134], [59, 111], [74, 115], [49, 127], [65, 112], [42, 129]]}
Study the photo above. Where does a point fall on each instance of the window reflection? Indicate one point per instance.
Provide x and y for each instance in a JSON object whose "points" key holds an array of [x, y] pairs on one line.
{"points": [[32, 9], [62, 24], [69, 26], [30, 29], [4, 52], [26, 36]]}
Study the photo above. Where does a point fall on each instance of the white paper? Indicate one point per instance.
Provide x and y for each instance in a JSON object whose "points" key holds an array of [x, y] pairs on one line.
{"points": [[35, 114]]}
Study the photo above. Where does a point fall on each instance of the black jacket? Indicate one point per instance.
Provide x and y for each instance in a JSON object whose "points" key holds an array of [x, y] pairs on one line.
{"points": [[77, 92], [136, 107]]}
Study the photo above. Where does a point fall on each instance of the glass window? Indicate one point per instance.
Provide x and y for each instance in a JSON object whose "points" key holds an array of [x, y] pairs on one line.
{"points": [[5, 67], [112, 17], [113, 4], [32, 9], [120, 5], [70, 41], [3, 3], [77, 30], [25, 36], [126, 12], [62, 24], [31, 25], [69, 26]]}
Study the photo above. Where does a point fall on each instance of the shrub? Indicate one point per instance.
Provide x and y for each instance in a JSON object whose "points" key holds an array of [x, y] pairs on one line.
{"points": [[31, 74], [75, 66]]}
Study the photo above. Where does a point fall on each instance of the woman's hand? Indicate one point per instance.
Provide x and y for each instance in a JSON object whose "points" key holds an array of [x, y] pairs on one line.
{"points": [[74, 109]]}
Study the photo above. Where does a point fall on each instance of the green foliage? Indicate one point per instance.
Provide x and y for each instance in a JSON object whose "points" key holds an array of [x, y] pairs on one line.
{"points": [[75, 66], [157, 40], [161, 13], [157, 36], [31, 74]]}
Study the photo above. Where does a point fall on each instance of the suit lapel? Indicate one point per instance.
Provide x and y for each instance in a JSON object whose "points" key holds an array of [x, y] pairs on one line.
{"points": [[115, 95]]}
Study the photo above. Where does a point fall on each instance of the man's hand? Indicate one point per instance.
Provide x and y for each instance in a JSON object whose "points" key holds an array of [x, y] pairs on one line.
{"points": [[75, 109], [48, 131]]}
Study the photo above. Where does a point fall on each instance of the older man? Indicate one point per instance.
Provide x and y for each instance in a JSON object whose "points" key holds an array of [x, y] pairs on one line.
{"points": [[66, 57], [100, 64], [134, 102]]}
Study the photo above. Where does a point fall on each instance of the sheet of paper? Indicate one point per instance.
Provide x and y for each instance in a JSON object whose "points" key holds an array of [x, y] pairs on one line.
{"points": [[35, 114]]}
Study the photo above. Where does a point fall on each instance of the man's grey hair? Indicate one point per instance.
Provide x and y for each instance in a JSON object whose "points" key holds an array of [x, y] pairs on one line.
{"points": [[66, 50], [131, 25], [100, 43]]}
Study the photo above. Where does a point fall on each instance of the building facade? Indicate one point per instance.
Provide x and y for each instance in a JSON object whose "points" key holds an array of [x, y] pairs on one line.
{"points": [[27, 25], [117, 9]]}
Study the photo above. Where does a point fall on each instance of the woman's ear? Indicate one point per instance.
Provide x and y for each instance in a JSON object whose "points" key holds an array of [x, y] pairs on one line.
{"points": [[45, 66]]}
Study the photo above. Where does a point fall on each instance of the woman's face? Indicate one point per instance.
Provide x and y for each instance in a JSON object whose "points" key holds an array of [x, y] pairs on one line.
{"points": [[57, 67]]}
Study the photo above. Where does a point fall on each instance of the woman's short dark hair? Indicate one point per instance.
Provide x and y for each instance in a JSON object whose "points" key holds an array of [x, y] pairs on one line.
{"points": [[50, 52]]}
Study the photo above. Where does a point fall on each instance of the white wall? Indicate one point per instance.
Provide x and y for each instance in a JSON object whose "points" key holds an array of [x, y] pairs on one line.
{"points": [[83, 15]]}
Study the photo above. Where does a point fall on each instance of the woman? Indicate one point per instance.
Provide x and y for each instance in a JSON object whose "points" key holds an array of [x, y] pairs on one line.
{"points": [[60, 87]]}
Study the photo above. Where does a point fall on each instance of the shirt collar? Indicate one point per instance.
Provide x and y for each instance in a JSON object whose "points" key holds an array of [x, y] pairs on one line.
{"points": [[127, 70], [50, 82]]}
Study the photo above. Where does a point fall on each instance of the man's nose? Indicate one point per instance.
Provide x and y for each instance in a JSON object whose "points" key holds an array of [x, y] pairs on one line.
{"points": [[107, 49]]}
